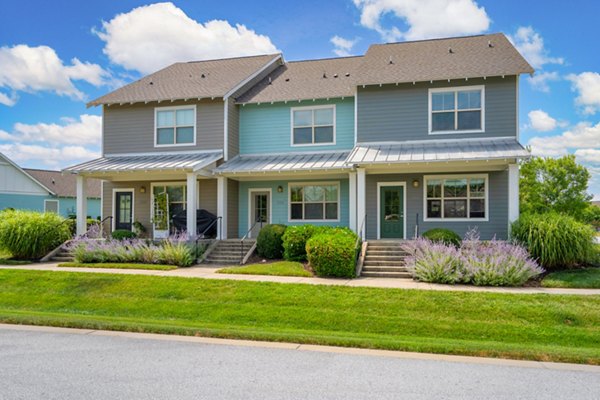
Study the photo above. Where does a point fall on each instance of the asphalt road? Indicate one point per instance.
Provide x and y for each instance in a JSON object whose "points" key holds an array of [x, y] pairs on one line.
{"points": [[42, 365]]}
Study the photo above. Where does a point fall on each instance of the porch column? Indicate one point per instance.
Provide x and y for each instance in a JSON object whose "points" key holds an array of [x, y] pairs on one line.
{"points": [[352, 200], [513, 193], [192, 203], [222, 207], [81, 205], [361, 209]]}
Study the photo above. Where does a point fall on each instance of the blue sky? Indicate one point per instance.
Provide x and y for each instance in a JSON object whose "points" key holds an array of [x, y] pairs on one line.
{"points": [[55, 56]]}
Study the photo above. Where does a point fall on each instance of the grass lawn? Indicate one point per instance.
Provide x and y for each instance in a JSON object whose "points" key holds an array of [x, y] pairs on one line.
{"points": [[5, 259], [523, 326], [118, 266], [588, 278], [281, 268]]}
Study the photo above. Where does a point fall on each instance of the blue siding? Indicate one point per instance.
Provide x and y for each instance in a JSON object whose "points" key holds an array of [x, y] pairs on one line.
{"points": [[66, 205], [280, 202], [266, 128]]}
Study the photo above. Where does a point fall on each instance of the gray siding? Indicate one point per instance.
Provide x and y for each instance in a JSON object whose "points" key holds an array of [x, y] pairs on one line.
{"points": [[208, 195], [498, 206], [397, 113], [130, 128], [233, 130]]}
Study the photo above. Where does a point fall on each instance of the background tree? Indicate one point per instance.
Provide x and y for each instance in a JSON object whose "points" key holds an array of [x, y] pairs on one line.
{"points": [[554, 184]]}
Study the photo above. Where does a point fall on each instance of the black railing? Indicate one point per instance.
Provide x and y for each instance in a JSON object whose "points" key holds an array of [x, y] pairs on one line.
{"points": [[202, 235], [258, 220]]}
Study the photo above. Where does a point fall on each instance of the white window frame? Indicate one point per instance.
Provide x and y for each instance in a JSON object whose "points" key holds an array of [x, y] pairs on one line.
{"points": [[323, 183], [165, 184], [46, 201], [174, 108], [312, 108], [251, 191], [458, 176], [456, 90], [114, 205]]}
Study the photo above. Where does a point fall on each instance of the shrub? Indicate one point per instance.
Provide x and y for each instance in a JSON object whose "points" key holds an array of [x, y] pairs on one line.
{"points": [[441, 235], [332, 255], [176, 251], [433, 262], [31, 235], [294, 241], [121, 234], [269, 243], [555, 240]]}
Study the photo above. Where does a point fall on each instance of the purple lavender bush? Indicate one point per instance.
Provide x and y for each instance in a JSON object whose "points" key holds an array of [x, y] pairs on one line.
{"points": [[433, 262]]}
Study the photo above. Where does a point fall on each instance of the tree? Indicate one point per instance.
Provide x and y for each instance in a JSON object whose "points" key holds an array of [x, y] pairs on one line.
{"points": [[554, 184]]}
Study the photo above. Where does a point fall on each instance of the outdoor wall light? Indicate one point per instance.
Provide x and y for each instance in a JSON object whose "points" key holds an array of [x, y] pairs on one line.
{"points": [[415, 183], [279, 189], [142, 189]]}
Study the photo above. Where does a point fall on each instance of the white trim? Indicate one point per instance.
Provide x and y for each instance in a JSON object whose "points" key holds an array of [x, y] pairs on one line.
{"points": [[513, 193], [10, 162], [165, 183], [320, 183], [191, 200], [352, 201], [222, 206], [457, 176], [114, 205], [277, 57], [361, 200], [226, 129], [250, 190], [102, 199], [384, 184], [81, 205], [457, 89], [307, 108], [55, 201], [440, 140], [518, 134], [174, 108]]}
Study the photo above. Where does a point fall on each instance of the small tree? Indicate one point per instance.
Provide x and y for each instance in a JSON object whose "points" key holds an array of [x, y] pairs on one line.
{"points": [[554, 184]]}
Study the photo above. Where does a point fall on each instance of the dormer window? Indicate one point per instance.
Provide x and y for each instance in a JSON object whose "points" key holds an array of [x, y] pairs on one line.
{"points": [[175, 126], [456, 110]]}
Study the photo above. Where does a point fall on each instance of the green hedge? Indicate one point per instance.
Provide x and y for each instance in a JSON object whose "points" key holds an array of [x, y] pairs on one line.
{"points": [[121, 234], [556, 241], [441, 235], [269, 243], [296, 237], [31, 235], [332, 254]]}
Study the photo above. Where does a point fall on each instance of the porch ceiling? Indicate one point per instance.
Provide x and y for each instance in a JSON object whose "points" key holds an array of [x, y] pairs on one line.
{"points": [[431, 151]]}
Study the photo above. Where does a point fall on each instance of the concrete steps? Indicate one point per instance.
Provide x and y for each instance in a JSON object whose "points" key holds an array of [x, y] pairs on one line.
{"points": [[62, 256], [228, 252], [385, 259]]}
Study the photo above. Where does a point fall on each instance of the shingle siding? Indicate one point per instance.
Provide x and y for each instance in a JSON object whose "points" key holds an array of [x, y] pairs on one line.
{"points": [[398, 113]]}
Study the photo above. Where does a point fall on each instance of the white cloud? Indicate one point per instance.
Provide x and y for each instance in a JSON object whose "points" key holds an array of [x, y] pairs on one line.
{"points": [[587, 85], [52, 157], [424, 18], [588, 155], [531, 45], [540, 121], [343, 47], [34, 69], [540, 80], [85, 131], [581, 137], [154, 36]]}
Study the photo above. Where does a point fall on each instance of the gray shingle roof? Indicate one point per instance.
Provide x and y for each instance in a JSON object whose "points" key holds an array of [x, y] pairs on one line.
{"points": [[437, 150], [439, 59], [290, 162], [188, 80], [64, 185], [184, 161], [313, 79]]}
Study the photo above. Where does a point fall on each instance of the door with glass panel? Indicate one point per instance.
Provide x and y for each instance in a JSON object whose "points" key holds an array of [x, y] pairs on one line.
{"points": [[259, 211], [391, 212], [123, 210]]}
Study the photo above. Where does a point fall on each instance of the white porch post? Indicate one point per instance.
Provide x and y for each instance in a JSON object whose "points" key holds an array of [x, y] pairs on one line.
{"points": [[192, 203], [513, 193], [352, 200], [361, 209], [81, 205], [222, 207]]}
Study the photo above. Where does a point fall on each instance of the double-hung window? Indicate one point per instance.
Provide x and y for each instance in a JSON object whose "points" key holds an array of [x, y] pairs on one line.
{"points": [[175, 126], [456, 197], [313, 125], [314, 202], [456, 110]]}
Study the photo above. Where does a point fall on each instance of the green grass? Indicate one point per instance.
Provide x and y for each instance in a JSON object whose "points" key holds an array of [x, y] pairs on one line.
{"points": [[281, 268], [5, 259], [161, 267], [588, 278], [523, 326]]}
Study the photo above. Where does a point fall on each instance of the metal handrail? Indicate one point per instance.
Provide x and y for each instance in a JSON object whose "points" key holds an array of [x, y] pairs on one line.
{"points": [[101, 223], [201, 235], [246, 237], [358, 240]]}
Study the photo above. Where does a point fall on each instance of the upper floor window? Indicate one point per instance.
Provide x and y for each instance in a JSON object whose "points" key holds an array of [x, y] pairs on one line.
{"points": [[456, 110], [175, 126], [456, 197], [313, 125]]}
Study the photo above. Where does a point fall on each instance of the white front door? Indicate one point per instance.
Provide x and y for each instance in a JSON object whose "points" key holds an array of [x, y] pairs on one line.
{"points": [[260, 210]]}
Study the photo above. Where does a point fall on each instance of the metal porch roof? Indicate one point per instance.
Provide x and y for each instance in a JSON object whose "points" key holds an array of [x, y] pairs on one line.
{"points": [[291, 162]]}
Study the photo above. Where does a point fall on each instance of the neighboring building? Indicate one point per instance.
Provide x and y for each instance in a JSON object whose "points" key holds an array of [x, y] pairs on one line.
{"points": [[407, 137], [42, 190]]}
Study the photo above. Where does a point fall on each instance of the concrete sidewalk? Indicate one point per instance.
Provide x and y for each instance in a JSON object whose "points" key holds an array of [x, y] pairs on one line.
{"points": [[209, 272]]}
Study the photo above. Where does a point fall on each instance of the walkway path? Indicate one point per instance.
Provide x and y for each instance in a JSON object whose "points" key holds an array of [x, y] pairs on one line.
{"points": [[209, 272]]}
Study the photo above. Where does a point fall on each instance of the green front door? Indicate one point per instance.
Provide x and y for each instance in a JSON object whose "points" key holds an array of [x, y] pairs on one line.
{"points": [[391, 212]]}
